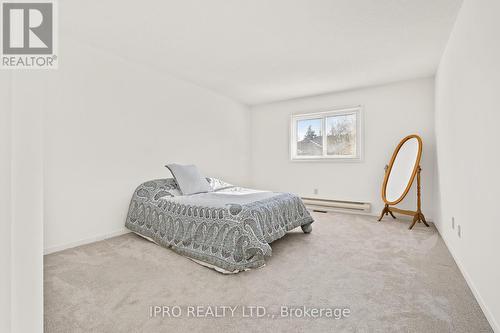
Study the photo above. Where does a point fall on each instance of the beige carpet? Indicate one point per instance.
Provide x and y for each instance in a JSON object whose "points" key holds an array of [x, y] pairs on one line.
{"points": [[391, 279]]}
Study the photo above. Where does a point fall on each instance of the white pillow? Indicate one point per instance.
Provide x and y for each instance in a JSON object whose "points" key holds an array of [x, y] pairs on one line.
{"points": [[189, 179], [217, 184]]}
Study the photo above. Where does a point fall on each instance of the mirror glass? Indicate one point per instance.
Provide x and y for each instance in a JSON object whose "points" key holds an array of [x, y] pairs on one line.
{"points": [[403, 170]]}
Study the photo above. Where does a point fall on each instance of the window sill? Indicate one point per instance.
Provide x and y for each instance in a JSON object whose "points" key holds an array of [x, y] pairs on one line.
{"points": [[328, 159]]}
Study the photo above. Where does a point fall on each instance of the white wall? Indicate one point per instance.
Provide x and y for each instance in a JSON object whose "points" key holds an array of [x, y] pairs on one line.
{"points": [[111, 124], [28, 90], [468, 137], [21, 202], [390, 113], [5, 202]]}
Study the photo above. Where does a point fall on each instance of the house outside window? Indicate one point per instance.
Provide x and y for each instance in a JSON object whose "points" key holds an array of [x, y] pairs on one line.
{"points": [[335, 135]]}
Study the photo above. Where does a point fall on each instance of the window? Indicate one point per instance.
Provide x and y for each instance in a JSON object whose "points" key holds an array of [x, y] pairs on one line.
{"points": [[332, 135]]}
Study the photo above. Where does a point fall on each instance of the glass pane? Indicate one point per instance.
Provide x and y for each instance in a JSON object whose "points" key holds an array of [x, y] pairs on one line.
{"points": [[309, 137], [341, 138]]}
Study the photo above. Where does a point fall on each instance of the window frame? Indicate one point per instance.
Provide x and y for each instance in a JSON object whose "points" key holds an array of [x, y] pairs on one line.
{"points": [[323, 115]]}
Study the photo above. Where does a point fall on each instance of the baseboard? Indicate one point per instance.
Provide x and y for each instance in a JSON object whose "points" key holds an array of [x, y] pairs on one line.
{"points": [[337, 210], [97, 238], [491, 320]]}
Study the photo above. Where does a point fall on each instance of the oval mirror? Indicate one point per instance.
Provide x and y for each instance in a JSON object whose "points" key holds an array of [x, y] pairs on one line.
{"points": [[402, 168]]}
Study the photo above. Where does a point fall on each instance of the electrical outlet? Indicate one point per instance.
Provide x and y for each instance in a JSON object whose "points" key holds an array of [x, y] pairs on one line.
{"points": [[459, 232], [453, 222], [315, 191]]}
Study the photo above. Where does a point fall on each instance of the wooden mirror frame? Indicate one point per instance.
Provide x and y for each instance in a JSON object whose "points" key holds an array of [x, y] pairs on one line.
{"points": [[418, 216], [391, 164]]}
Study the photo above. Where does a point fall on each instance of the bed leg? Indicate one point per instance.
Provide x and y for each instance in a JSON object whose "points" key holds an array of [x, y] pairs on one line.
{"points": [[307, 228]]}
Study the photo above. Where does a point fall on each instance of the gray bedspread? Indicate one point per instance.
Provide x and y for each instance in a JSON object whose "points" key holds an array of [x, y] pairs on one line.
{"points": [[229, 228]]}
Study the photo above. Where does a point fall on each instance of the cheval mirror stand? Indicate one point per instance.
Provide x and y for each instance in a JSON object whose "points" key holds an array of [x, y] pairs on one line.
{"points": [[399, 176]]}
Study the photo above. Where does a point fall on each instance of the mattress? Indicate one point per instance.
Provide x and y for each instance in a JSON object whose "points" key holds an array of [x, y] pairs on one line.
{"points": [[229, 229]]}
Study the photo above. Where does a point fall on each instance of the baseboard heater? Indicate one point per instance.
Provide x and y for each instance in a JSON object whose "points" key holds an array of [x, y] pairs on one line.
{"points": [[326, 205]]}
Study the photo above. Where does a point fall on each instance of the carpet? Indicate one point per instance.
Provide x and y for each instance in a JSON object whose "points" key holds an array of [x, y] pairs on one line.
{"points": [[360, 275]]}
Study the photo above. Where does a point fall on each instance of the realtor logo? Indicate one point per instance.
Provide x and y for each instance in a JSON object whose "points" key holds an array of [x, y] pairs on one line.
{"points": [[28, 35]]}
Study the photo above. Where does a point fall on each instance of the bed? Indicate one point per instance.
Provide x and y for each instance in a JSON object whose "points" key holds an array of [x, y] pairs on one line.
{"points": [[228, 229]]}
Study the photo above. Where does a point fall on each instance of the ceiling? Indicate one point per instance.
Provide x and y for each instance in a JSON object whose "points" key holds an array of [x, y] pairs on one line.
{"points": [[260, 51]]}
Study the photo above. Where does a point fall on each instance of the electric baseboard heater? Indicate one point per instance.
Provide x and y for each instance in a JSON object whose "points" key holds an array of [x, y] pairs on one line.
{"points": [[327, 205]]}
